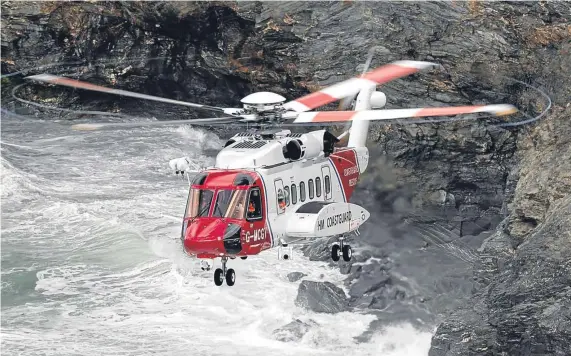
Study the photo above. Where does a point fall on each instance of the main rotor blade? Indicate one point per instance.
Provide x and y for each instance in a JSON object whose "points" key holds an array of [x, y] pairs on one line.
{"points": [[371, 115], [97, 126], [54, 79], [352, 86]]}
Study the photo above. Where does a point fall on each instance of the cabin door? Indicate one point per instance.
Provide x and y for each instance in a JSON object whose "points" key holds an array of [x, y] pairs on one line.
{"points": [[280, 196]]}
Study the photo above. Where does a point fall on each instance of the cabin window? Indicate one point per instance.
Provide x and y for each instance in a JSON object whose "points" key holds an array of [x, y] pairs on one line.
{"points": [[287, 196], [318, 186], [293, 194], [311, 189], [254, 205], [302, 191], [327, 185], [281, 199], [199, 202]]}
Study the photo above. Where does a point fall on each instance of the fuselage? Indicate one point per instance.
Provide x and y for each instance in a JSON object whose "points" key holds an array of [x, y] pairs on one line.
{"points": [[241, 212]]}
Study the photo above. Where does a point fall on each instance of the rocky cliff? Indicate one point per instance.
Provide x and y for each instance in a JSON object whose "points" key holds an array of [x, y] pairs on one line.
{"points": [[523, 305], [436, 192]]}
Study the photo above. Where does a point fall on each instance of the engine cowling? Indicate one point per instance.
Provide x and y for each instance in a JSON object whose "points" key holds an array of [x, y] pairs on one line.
{"points": [[310, 145], [378, 100]]}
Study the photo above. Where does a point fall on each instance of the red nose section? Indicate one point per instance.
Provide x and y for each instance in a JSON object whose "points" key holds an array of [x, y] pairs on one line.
{"points": [[212, 236]]}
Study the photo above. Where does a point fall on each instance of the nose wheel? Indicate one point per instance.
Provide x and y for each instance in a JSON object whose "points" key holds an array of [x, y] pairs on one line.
{"points": [[221, 274]]}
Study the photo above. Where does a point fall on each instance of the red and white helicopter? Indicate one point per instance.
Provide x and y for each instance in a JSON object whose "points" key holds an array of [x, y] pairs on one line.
{"points": [[275, 188]]}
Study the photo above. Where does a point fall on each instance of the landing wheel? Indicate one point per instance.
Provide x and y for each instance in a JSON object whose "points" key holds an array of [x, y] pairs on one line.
{"points": [[347, 253], [335, 252], [230, 277], [218, 276]]}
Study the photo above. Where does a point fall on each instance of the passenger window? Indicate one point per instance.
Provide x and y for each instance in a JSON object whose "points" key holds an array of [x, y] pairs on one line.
{"points": [[311, 189], [286, 190], [318, 187], [293, 194], [281, 199], [301, 191], [254, 205], [327, 185]]}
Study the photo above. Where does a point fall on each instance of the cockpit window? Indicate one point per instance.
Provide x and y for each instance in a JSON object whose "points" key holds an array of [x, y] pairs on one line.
{"points": [[199, 201], [230, 204]]}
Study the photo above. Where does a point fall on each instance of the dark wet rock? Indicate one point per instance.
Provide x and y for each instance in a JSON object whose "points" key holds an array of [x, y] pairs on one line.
{"points": [[378, 303], [295, 276], [319, 250], [523, 305], [293, 331], [321, 297], [526, 310], [345, 267], [370, 267], [362, 256], [368, 284]]}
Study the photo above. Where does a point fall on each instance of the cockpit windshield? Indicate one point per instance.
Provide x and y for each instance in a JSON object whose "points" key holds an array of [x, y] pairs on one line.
{"points": [[230, 204], [199, 201]]}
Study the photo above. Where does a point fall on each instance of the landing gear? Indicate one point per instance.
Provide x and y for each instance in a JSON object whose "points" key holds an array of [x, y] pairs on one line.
{"points": [[222, 273], [340, 249], [335, 249], [230, 277], [218, 276], [347, 253]]}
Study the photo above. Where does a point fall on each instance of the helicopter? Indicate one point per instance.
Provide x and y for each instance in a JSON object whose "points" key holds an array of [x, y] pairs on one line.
{"points": [[274, 188]]}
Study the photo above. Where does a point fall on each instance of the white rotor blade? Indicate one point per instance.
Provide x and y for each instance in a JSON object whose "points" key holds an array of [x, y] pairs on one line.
{"points": [[352, 86], [54, 79], [371, 115], [96, 126]]}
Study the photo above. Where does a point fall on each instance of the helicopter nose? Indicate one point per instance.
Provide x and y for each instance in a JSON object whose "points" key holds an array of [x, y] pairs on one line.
{"points": [[204, 244], [223, 240]]}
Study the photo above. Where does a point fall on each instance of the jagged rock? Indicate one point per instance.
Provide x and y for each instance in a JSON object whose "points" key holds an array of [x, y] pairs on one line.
{"points": [[545, 175], [362, 256], [319, 250], [345, 267], [368, 284], [295, 276], [321, 297], [524, 303], [293, 331]]}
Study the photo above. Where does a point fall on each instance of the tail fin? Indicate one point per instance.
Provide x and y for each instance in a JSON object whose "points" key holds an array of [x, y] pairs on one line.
{"points": [[360, 129]]}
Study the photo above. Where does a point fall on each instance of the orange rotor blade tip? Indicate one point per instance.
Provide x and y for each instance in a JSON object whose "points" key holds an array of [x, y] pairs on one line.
{"points": [[509, 111]]}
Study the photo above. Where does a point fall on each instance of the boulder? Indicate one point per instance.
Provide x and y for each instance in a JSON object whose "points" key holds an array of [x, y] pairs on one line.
{"points": [[321, 297], [295, 276]]}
